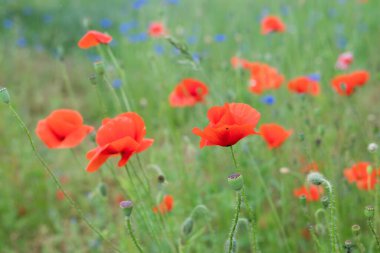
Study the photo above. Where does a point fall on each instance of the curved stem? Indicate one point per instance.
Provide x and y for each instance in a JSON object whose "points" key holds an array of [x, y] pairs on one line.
{"points": [[58, 184], [129, 226], [373, 231], [237, 211]]}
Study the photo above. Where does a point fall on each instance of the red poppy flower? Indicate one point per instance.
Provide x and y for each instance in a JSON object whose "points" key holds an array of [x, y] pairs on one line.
{"points": [[304, 85], [347, 83], [274, 134], [187, 93], [94, 38], [122, 135], [62, 129], [156, 29], [344, 60], [165, 206], [360, 175], [228, 124], [263, 77], [312, 193], [271, 24], [237, 62], [59, 195]]}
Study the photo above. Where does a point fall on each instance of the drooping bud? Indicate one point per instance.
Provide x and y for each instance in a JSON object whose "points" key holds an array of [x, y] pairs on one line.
{"points": [[4, 95], [187, 226], [315, 178], [127, 207], [325, 201], [355, 230], [236, 181], [99, 68], [227, 246], [369, 212]]}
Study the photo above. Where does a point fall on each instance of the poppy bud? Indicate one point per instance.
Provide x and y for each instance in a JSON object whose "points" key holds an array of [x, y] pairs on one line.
{"points": [[161, 179], [127, 207], [315, 178], [369, 212], [355, 230], [199, 211], [348, 245], [99, 68], [325, 201], [4, 95], [103, 189], [187, 226], [236, 181], [372, 147], [93, 79], [302, 200], [227, 246]]}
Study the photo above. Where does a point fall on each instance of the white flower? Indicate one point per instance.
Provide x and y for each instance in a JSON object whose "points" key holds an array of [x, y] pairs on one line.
{"points": [[372, 147]]}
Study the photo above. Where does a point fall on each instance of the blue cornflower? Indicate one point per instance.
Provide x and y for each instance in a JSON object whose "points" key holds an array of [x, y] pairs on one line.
{"points": [[138, 4], [174, 2], [47, 18], [21, 42], [315, 77], [124, 28], [117, 83], [7, 23], [105, 23], [268, 99], [219, 37], [159, 49], [140, 37]]}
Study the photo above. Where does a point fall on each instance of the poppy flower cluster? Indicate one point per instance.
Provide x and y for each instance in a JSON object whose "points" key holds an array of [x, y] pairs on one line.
{"points": [[165, 206], [363, 175], [63, 128], [346, 84], [271, 24], [274, 135], [120, 136], [228, 124], [93, 38], [188, 93], [304, 85], [311, 193]]}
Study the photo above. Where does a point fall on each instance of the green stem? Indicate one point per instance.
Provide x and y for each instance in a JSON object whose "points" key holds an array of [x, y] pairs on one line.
{"points": [[58, 184], [129, 226], [374, 233], [237, 211]]}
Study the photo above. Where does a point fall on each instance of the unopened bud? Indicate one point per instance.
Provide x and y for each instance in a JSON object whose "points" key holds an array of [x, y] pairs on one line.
{"points": [[99, 68], [161, 179], [372, 147], [315, 178], [236, 181], [187, 226], [4, 95], [369, 212], [348, 245], [127, 207], [325, 201], [103, 189], [355, 230], [227, 246]]}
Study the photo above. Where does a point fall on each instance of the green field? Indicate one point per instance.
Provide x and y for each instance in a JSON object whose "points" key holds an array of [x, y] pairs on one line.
{"points": [[43, 69]]}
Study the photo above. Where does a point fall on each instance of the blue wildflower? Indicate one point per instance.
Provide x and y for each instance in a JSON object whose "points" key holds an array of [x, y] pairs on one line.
{"points": [[159, 49], [268, 99], [138, 4], [196, 57], [27, 10], [124, 28], [315, 77], [140, 37], [105, 23], [174, 2], [94, 57], [219, 37], [21, 42], [117, 83], [7, 23], [47, 18], [192, 40]]}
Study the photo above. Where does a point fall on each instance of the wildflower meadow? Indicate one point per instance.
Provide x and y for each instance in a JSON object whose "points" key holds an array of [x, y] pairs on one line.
{"points": [[190, 126]]}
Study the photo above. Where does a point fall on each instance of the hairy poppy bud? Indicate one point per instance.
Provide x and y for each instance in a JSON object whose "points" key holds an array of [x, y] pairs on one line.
{"points": [[127, 207], [315, 178], [227, 246], [372, 147], [369, 212], [103, 189], [4, 95], [325, 201], [99, 68], [355, 230], [187, 226], [236, 181]]}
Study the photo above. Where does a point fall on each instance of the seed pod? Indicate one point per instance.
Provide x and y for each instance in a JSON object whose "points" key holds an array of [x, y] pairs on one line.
{"points": [[127, 207], [4, 95], [369, 212], [236, 181], [187, 226]]}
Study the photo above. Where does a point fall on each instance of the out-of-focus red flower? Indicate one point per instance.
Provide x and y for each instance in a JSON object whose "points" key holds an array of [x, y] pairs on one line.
{"points": [[313, 166], [228, 124], [122, 135], [165, 206], [263, 77], [304, 85], [271, 24], [237, 62], [187, 93], [157, 29], [274, 135], [344, 61], [360, 175], [59, 195], [312, 192], [62, 129], [93, 38], [346, 84]]}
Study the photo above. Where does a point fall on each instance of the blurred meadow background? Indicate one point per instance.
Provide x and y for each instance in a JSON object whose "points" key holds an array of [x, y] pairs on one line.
{"points": [[43, 69]]}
